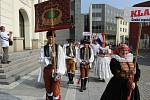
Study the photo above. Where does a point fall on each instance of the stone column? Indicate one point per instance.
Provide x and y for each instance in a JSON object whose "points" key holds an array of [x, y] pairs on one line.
{"points": [[18, 44], [35, 44]]}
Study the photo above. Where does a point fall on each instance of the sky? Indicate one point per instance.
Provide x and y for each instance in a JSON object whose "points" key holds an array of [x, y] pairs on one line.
{"points": [[115, 3]]}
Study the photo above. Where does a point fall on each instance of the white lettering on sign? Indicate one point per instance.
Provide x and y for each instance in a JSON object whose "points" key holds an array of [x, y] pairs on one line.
{"points": [[87, 33]]}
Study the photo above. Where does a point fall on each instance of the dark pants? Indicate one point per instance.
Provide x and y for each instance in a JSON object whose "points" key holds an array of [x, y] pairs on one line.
{"points": [[5, 54]]}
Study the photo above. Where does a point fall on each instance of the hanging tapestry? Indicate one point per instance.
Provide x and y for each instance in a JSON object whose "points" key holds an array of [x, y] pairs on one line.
{"points": [[52, 15]]}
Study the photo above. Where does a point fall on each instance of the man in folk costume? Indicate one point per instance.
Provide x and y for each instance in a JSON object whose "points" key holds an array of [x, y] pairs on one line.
{"points": [[85, 57], [103, 60], [126, 74], [53, 56], [70, 52]]}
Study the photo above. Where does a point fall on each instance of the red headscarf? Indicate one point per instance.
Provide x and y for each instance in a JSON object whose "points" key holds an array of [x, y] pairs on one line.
{"points": [[120, 48]]}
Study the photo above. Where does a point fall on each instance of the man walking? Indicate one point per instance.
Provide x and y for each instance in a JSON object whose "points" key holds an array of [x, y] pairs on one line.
{"points": [[53, 56], [85, 57]]}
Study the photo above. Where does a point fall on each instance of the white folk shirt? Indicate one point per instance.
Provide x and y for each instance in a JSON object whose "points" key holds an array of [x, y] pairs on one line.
{"points": [[61, 66], [95, 48], [4, 39], [91, 58]]}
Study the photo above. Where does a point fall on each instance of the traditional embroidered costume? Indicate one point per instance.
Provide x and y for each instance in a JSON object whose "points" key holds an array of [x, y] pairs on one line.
{"points": [[126, 74], [85, 57], [95, 47], [52, 55], [102, 66], [70, 52]]}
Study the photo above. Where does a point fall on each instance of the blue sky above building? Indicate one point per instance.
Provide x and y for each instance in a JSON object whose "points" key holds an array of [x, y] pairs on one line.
{"points": [[115, 3]]}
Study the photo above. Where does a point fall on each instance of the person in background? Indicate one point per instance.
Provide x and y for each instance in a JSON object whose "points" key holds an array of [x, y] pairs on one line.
{"points": [[85, 56], [102, 70], [95, 46], [10, 38], [4, 38], [126, 74], [53, 57], [70, 52]]}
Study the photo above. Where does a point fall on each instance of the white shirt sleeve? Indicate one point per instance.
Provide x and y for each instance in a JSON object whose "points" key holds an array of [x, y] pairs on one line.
{"points": [[61, 63], [78, 56], [42, 59], [92, 56]]}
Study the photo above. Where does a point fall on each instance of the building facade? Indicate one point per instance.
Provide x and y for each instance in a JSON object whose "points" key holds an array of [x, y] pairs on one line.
{"points": [[122, 31], [103, 19], [18, 16]]}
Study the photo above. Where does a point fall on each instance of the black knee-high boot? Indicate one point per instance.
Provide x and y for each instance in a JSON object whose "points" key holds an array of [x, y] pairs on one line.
{"points": [[85, 81], [50, 97], [69, 77], [71, 82], [82, 84]]}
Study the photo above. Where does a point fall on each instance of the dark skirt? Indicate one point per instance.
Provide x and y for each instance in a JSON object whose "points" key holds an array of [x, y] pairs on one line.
{"points": [[117, 89]]}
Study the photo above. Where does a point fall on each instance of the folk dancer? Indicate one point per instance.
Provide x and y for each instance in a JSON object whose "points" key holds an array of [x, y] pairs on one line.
{"points": [[70, 52], [102, 70], [54, 58], [85, 57], [95, 47], [77, 47], [126, 74]]}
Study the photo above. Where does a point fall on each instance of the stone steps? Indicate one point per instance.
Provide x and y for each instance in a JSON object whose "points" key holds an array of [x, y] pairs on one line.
{"points": [[22, 64]]}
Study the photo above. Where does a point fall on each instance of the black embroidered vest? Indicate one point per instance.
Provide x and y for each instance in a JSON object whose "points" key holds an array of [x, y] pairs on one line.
{"points": [[82, 53], [47, 52], [68, 51]]}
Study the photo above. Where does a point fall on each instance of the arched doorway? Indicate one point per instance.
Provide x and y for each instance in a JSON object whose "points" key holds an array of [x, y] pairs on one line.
{"points": [[23, 26]]}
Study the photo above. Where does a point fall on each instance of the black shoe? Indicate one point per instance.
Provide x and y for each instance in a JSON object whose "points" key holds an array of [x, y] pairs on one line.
{"points": [[71, 82], [50, 97], [8, 61], [4, 62], [68, 82], [101, 80], [81, 90], [84, 88]]}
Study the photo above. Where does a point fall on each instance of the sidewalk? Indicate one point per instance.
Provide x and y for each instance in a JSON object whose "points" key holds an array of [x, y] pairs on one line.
{"points": [[28, 89]]}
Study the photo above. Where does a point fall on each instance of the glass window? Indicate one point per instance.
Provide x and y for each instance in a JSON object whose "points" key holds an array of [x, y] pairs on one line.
{"points": [[97, 19], [120, 29]]}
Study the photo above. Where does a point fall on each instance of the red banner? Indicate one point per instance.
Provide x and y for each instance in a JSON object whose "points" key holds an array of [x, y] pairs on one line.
{"points": [[52, 15]]}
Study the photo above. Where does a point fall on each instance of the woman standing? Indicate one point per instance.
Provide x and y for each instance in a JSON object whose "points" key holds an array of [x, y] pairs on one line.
{"points": [[103, 64], [123, 85]]}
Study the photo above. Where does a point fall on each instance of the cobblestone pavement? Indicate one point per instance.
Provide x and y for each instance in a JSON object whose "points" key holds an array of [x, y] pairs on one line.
{"points": [[144, 83], [28, 89]]}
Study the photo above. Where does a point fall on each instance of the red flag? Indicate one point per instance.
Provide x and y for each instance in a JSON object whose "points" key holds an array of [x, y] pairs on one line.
{"points": [[104, 41], [52, 15]]}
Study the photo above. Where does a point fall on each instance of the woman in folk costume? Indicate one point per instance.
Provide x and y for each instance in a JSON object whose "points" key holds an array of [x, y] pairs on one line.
{"points": [[95, 47], [70, 52], [123, 85], [85, 57], [52, 55], [102, 69]]}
